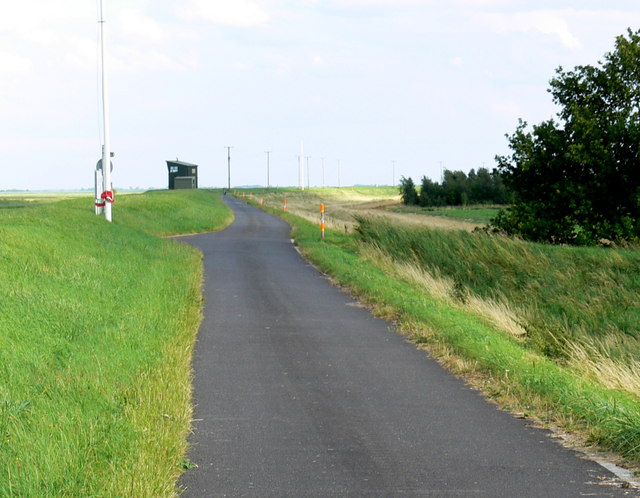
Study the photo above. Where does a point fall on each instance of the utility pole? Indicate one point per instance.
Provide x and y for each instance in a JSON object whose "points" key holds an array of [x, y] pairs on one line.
{"points": [[301, 166], [229, 147], [267, 152], [106, 197]]}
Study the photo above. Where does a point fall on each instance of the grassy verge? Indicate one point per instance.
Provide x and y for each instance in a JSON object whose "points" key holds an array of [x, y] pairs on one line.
{"points": [[26, 200], [562, 294], [96, 330], [181, 212], [506, 366]]}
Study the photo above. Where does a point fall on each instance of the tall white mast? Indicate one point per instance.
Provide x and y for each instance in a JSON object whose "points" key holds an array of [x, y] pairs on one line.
{"points": [[301, 166], [107, 193]]}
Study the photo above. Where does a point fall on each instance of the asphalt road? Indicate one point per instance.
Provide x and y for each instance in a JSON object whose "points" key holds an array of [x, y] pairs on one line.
{"points": [[299, 392]]}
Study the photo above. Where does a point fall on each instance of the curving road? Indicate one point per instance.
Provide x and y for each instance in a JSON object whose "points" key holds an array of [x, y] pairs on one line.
{"points": [[301, 393]]}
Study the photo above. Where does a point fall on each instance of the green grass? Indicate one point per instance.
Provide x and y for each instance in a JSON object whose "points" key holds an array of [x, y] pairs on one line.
{"points": [[565, 294], [521, 375], [96, 330], [25, 200], [165, 213]]}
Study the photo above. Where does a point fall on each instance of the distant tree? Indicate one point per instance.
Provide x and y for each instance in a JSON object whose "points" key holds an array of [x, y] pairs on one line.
{"points": [[408, 191], [500, 193], [431, 193], [485, 187], [459, 188], [577, 181], [455, 184], [480, 186]]}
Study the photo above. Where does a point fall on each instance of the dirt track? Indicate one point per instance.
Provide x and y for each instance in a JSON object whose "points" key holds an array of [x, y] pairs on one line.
{"points": [[381, 208], [341, 211]]}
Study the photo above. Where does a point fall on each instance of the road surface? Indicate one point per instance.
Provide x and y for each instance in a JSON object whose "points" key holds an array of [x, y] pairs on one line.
{"points": [[299, 392]]}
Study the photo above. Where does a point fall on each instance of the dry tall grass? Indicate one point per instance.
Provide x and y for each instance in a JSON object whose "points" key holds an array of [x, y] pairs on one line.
{"points": [[499, 314], [591, 358]]}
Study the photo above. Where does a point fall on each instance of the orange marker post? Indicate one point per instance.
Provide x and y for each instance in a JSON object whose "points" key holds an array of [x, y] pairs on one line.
{"points": [[322, 221], [284, 205], [262, 201]]}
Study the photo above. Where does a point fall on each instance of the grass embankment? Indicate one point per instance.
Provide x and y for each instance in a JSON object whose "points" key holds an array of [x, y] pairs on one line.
{"points": [[548, 331], [96, 330]]}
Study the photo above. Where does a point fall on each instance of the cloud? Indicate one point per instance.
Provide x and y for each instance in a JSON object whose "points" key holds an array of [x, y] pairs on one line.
{"points": [[380, 2], [236, 13], [134, 60], [242, 66], [506, 107], [281, 64], [144, 29], [318, 61], [14, 64], [545, 22], [417, 3]]}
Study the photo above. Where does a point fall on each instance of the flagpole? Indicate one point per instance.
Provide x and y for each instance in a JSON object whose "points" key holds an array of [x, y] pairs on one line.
{"points": [[107, 193]]}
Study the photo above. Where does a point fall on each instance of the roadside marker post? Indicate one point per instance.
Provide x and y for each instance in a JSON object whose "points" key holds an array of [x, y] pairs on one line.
{"points": [[322, 221], [284, 205]]}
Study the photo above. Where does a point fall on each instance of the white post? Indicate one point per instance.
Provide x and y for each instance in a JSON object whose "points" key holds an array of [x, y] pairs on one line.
{"points": [[98, 187], [268, 153], [301, 166], [393, 174], [106, 148]]}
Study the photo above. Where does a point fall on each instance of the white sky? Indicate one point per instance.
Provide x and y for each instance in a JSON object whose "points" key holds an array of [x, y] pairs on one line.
{"points": [[362, 82]]}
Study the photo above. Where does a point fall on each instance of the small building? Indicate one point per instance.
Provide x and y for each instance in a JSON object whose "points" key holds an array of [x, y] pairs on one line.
{"points": [[182, 175]]}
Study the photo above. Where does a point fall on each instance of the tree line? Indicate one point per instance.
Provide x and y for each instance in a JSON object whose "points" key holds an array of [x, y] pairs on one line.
{"points": [[457, 189]]}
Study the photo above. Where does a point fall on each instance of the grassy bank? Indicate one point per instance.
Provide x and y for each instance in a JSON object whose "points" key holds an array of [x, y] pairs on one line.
{"points": [[96, 330], [169, 213], [562, 295], [472, 300]]}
